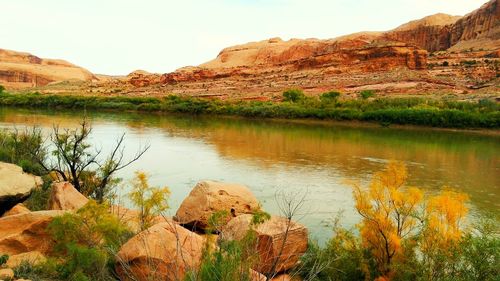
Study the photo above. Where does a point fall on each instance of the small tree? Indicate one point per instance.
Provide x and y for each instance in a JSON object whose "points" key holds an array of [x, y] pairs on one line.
{"points": [[388, 214], [151, 201], [293, 95], [74, 161], [2, 89]]}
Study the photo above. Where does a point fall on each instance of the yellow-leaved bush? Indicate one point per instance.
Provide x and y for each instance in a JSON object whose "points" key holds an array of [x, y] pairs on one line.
{"points": [[395, 216]]}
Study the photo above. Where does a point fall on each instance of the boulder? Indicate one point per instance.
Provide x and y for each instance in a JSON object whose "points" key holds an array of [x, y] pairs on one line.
{"points": [[15, 185], [26, 232], [18, 209], [6, 274], [275, 245], [165, 251], [33, 258], [209, 197], [64, 196]]}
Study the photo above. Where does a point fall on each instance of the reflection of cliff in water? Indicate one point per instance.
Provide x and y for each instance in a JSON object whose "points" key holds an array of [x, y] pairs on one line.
{"points": [[468, 162]]}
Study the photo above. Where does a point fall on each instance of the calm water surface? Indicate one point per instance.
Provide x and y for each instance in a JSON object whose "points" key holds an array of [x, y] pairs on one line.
{"points": [[273, 156]]}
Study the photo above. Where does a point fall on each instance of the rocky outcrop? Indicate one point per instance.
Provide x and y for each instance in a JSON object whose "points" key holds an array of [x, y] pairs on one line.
{"points": [[477, 30], [6, 274], [15, 185], [26, 232], [21, 70], [360, 54], [141, 78], [16, 210], [431, 33], [64, 196], [33, 258], [165, 251], [209, 197], [280, 243]]}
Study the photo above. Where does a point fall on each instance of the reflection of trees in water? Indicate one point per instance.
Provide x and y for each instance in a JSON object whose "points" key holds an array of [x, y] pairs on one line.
{"points": [[466, 161]]}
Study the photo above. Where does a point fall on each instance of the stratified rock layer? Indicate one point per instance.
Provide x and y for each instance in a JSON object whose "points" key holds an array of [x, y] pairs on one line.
{"points": [[24, 70]]}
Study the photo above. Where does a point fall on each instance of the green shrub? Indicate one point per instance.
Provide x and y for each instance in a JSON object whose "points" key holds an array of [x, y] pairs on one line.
{"points": [[366, 94], [23, 148], [3, 259], [342, 259], [87, 241], [293, 95], [39, 197], [329, 97], [422, 111], [2, 89], [231, 260], [47, 271]]}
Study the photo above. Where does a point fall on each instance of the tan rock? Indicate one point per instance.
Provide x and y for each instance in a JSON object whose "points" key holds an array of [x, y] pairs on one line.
{"points": [[272, 239], [18, 209], [26, 232], [15, 185], [6, 273], [22, 70], [64, 196], [33, 258], [209, 197], [165, 250]]}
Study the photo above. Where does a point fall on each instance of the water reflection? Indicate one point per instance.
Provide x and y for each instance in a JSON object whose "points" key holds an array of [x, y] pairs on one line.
{"points": [[272, 155]]}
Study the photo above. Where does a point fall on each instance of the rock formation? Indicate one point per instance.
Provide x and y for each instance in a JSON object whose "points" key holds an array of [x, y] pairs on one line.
{"points": [[209, 197], [24, 70], [17, 209], [477, 30], [26, 232], [15, 185], [165, 251], [280, 243], [64, 196]]}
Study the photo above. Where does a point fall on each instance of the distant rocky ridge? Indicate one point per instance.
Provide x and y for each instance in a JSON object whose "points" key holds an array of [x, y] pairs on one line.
{"points": [[24, 70], [396, 59], [439, 53]]}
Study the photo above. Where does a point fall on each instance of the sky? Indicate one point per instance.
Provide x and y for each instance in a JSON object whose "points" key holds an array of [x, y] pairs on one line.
{"points": [[116, 37]]}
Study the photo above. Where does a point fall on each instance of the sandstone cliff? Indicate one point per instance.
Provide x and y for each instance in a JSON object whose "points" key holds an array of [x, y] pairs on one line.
{"points": [[477, 30], [22, 70], [345, 55]]}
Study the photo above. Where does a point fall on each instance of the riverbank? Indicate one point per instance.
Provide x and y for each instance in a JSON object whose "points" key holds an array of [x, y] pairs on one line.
{"points": [[384, 111]]}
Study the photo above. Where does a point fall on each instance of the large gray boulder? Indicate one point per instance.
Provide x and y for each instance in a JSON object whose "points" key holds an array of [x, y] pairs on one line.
{"points": [[15, 185]]}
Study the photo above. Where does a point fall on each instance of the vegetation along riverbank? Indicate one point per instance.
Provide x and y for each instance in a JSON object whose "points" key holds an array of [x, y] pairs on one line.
{"points": [[294, 105]]}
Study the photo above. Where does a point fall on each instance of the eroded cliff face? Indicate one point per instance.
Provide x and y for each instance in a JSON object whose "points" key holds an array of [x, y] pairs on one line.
{"points": [[330, 56], [477, 30], [23, 70]]}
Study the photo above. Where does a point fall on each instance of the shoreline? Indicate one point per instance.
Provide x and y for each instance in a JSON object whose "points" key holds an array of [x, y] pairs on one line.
{"points": [[376, 113]]}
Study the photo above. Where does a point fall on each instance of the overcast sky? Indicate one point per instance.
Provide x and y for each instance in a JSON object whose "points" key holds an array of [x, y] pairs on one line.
{"points": [[119, 36]]}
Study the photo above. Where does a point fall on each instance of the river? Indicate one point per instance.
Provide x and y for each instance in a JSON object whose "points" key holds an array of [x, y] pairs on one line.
{"points": [[269, 156]]}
